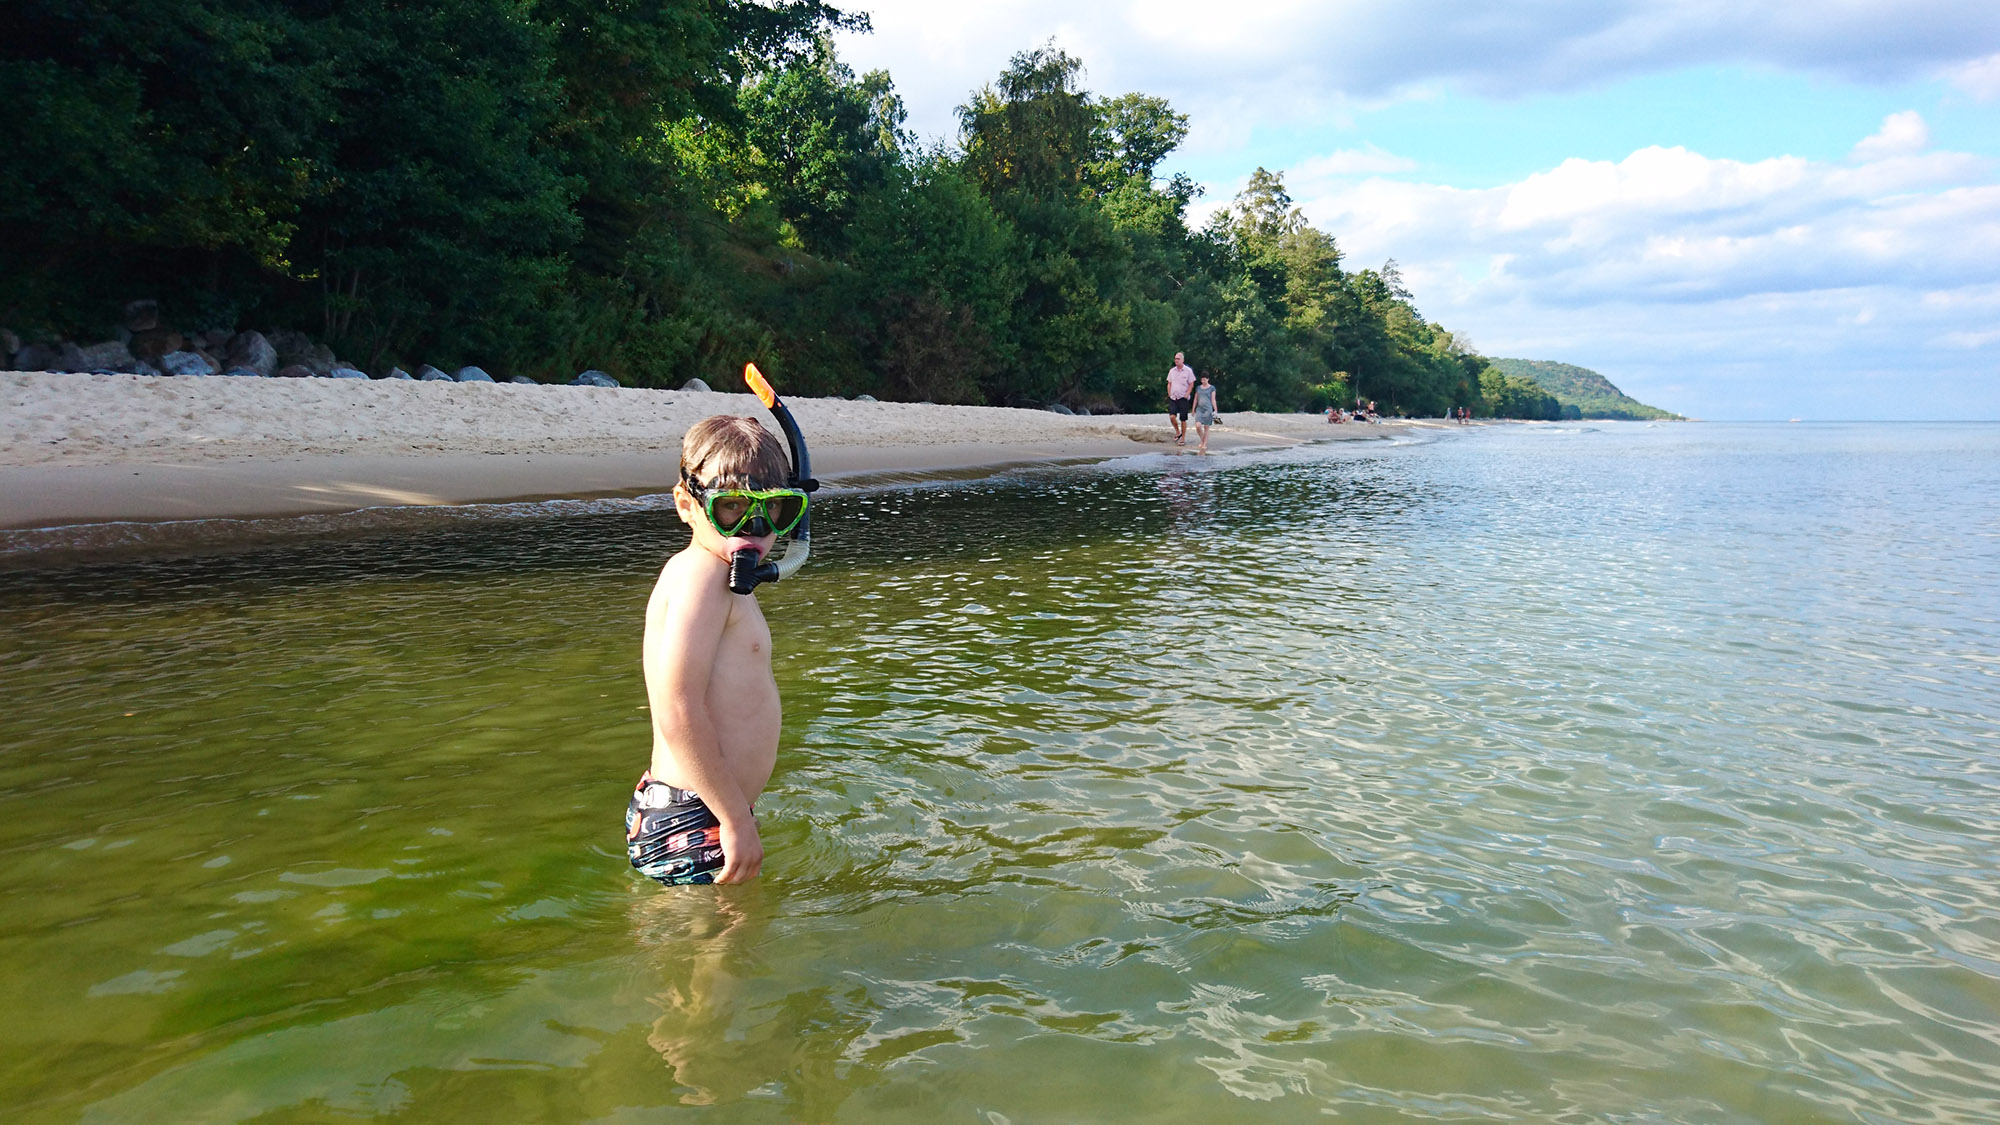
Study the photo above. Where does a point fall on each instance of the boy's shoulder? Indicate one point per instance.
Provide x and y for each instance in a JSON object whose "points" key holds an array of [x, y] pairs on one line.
{"points": [[694, 572], [691, 592]]}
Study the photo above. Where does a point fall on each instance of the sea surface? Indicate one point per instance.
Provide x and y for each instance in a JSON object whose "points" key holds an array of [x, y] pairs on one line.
{"points": [[1584, 772]]}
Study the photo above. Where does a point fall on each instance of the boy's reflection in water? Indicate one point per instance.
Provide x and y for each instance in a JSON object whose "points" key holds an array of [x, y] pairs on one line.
{"points": [[702, 942], [725, 1027]]}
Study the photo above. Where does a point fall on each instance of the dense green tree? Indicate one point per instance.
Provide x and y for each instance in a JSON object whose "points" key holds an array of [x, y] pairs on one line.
{"points": [[665, 188], [1510, 396], [939, 270], [118, 171], [1135, 133], [1035, 132], [820, 140], [444, 223]]}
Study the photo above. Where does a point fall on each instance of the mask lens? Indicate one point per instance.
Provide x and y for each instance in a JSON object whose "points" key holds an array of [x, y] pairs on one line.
{"points": [[726, 512], [784, 511]]}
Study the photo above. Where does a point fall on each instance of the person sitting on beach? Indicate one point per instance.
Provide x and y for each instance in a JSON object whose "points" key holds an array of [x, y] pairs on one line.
{"points": [[1180, 391], [1204, 411], [707, 660]]}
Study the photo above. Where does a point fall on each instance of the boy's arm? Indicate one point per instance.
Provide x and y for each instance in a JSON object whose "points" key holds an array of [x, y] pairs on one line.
{"points": [[679, 665]]}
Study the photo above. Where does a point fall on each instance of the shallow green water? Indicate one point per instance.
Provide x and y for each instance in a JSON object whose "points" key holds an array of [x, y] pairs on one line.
{"points": [[1614, 773]]}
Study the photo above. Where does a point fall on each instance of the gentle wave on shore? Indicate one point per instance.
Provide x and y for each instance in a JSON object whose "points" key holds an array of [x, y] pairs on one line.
{"points": [[72, 544]]}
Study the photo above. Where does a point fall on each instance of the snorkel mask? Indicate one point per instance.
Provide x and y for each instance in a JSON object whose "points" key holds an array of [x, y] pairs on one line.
{"points": [[784, 512]]}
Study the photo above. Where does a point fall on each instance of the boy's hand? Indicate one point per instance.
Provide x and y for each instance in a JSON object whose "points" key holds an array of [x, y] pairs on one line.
{"points": [[742, 853]]}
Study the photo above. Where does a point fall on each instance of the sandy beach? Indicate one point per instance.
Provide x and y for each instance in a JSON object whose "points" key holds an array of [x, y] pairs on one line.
{"points": [[83, 449]]}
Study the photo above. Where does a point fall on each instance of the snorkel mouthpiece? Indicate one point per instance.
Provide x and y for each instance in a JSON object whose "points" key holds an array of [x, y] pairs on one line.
{"points": [[746, 570]]}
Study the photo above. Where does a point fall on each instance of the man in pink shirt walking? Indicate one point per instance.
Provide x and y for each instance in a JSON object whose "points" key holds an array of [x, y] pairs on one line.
{"points": [[1180, 396]]}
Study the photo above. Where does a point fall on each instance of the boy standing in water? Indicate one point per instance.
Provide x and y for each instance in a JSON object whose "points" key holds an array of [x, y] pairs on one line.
{"points": [[707, 658]]}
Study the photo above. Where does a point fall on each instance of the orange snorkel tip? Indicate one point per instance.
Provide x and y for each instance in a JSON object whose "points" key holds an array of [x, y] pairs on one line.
{"points": [[745, 569], [760, 386]]}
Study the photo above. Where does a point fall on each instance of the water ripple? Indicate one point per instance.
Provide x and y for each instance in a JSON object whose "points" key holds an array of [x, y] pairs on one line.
{"points": [[1594, 773]]}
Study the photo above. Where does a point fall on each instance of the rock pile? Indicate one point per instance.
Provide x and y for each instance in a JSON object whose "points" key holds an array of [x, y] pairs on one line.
{"points": [[144, 346]]}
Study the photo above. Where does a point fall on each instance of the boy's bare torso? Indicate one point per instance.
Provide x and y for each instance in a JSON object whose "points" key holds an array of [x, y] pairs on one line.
{"points": [[741, 695]]}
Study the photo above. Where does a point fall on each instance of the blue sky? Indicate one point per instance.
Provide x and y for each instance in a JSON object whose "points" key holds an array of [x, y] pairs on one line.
{"points": [[1731, 209], [1736, 113]]}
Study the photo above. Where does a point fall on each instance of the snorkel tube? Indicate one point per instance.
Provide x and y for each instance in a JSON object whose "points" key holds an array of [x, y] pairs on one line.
{"points": [[746, 572]]}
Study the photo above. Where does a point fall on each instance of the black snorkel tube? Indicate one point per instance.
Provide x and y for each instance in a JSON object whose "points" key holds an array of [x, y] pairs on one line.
{"points": [[746, 572]]}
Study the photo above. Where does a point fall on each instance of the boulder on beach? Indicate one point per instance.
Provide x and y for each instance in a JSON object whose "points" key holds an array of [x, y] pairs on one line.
{"points": [[865, 398], [109, 356], [398, 373], [472, 375], [243, 373], [1059, 408], [37, 357], [150, 344], [523, 379], [695, 385], [296, 349], [428, 374], [187, 363], [295, 371], [344, 370], [251, 350], [593, 378]]}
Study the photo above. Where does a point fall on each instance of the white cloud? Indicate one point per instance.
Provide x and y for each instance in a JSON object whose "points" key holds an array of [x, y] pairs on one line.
{"points": [[1352, 162], [1902, 134], [1980, 78], [1754, 272], [1669, 224], [1260, 60], [1651, 181]]}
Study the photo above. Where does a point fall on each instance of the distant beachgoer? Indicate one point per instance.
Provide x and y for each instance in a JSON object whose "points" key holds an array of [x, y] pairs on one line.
{"points": [[1204, 411], [1180, 391]]}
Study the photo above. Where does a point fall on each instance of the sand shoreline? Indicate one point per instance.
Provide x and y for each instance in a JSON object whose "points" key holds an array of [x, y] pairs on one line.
{"points": [[91, 449]]}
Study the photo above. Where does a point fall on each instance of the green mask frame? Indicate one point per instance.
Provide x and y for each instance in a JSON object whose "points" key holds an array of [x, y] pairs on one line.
{"points": [[731, 510]]}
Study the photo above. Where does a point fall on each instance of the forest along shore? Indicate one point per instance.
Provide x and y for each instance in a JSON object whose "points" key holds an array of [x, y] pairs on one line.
{"points": [[663, 197], [97, 448]]}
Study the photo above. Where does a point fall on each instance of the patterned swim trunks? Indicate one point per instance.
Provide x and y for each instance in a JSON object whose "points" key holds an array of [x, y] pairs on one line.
{"points": [[671, 835]]}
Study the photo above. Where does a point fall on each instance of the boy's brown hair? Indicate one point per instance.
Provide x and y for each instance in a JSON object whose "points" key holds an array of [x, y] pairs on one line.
{"points": [[729, 451]]}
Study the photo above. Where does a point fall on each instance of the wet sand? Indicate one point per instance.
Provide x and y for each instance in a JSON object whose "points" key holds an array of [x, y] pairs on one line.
{"points": [[83, 449]]}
